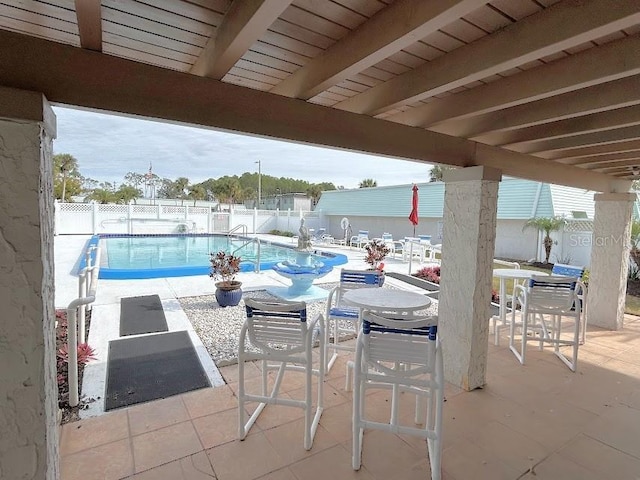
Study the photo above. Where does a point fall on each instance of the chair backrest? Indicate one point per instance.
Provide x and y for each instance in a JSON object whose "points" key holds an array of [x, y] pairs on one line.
{"points": [[425, 238], [279, 327], [567, 270], [411, 342], [387, 237], [551, 293], [363, 233], [322, 231], [351, 279]]}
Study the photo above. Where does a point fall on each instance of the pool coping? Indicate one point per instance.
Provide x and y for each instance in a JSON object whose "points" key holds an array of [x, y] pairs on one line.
{"points": [[328, 259]]}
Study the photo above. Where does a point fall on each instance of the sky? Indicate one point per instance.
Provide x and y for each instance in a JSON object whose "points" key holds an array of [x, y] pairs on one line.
{"points": [[107, 147]]}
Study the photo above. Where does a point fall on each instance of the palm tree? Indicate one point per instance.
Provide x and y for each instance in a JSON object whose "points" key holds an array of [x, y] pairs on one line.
{"points": [[66, 165], [546, 225], [437, 172], [314, 192], [368, 182]]}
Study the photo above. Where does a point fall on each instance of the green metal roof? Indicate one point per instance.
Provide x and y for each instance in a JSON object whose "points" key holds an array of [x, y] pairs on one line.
{"points": [[517, 199]]}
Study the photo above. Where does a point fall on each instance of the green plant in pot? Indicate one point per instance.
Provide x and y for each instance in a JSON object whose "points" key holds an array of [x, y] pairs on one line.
{"points": [[377, 251], [224, 267]]}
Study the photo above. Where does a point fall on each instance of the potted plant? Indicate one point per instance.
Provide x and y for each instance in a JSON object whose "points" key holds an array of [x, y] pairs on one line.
{"points": [[224, 267], [377, 251]]}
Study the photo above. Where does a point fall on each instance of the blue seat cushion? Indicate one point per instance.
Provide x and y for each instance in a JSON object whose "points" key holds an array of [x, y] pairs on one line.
{"points": [[344, 312]]}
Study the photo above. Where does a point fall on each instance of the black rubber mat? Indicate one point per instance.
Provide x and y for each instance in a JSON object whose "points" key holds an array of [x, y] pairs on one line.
{"points": [[150, 367], [141, 315]]}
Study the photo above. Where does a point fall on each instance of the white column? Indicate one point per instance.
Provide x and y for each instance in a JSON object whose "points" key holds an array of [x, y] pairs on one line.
{"points": [[469, 231], [28, 387], [609, 259]]}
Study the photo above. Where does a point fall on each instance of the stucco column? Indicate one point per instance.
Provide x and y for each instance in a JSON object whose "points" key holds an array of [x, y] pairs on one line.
{"points": [[609, 259], [28, 387], [469, 233]]}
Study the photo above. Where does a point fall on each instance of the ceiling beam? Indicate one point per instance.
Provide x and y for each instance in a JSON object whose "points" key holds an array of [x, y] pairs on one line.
{"points": [[606, 63], [598, 98], [629, 166], [559, 27], [89, 15], [622, 117], [533, 168], [596, 138], [585, 152], [599, 159], [72, 76], [390, 30], [242, 25]]}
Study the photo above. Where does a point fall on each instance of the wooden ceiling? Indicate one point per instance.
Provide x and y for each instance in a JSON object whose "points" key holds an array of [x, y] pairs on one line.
{"points": [[547, 83]]}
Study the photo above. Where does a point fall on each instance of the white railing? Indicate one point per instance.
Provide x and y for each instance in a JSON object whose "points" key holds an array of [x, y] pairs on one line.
{"points": [[87, 286]]}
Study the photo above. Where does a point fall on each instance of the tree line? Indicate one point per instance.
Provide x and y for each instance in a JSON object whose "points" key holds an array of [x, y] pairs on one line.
{"points": [[68, 182]]}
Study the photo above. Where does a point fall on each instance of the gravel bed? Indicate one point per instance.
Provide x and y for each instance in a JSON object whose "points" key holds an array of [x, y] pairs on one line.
{"points": [[219, 328]]}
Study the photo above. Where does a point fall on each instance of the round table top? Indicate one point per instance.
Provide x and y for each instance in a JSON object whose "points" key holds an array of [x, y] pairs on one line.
{"points": [[517, 273], [386, 299]]}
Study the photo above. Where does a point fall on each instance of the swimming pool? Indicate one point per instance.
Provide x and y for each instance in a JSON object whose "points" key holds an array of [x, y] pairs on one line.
{"points": [[159, 256]]}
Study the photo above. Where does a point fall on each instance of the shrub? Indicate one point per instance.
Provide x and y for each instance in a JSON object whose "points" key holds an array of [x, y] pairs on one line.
{"points": [[86, 353], [282, 233], [432, 274], [377, 251], [224, 266]]}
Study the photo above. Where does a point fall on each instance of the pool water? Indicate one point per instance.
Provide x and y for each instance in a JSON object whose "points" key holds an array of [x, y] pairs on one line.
{"points": [[158, 256]]}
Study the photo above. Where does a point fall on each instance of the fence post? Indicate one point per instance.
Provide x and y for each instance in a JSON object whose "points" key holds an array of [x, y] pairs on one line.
{"points": [[230, 218], [255, 219], [209, 220], [129, 218], [95, 218], [56, 216], [288, 219]]}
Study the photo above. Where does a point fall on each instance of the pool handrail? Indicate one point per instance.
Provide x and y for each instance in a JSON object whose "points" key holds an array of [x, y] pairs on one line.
{"points": [[87, 286], [242, 227], [257, 260]]}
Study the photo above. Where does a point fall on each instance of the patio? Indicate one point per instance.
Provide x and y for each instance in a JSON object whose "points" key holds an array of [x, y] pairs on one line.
{"points": [[535, 421]]}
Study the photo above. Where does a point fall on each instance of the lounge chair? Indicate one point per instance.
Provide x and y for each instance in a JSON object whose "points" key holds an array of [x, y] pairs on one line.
{"points": [[360, 240]]}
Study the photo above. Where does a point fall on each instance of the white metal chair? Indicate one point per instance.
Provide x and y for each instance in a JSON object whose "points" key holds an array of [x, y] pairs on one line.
{"points": [[284, 339], [337, 311], [581, 291], [496, 322], [387, 238], [360, 239], [413, 248], [401, 356], [545, 301]]}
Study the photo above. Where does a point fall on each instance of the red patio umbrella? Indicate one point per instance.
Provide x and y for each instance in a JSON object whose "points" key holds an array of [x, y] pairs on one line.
{"points": [[413, 216]]}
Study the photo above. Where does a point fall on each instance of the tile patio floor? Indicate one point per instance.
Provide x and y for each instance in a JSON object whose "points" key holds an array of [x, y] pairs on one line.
{"points": [[538, 421]]}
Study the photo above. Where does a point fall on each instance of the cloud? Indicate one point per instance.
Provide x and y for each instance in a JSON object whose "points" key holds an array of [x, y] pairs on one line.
{"points": [[109, 146]]}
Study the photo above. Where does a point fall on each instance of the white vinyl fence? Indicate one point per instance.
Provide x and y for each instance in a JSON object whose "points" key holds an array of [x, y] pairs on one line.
{"points": [[93, 218]]}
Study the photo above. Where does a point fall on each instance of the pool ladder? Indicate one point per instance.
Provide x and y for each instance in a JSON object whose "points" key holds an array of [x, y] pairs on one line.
{"points": [[243, 228]]}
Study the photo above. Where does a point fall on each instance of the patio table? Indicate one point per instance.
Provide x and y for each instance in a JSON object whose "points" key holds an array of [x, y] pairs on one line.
{"points": [[386, 299], [515, 274]]}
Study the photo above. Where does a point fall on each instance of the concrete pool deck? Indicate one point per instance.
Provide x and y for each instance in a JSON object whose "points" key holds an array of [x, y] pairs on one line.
{"points": [[106, 308]]}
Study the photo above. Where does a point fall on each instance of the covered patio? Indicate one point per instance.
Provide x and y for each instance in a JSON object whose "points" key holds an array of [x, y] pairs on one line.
{"points": [[537, 421], [543, 90]]}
